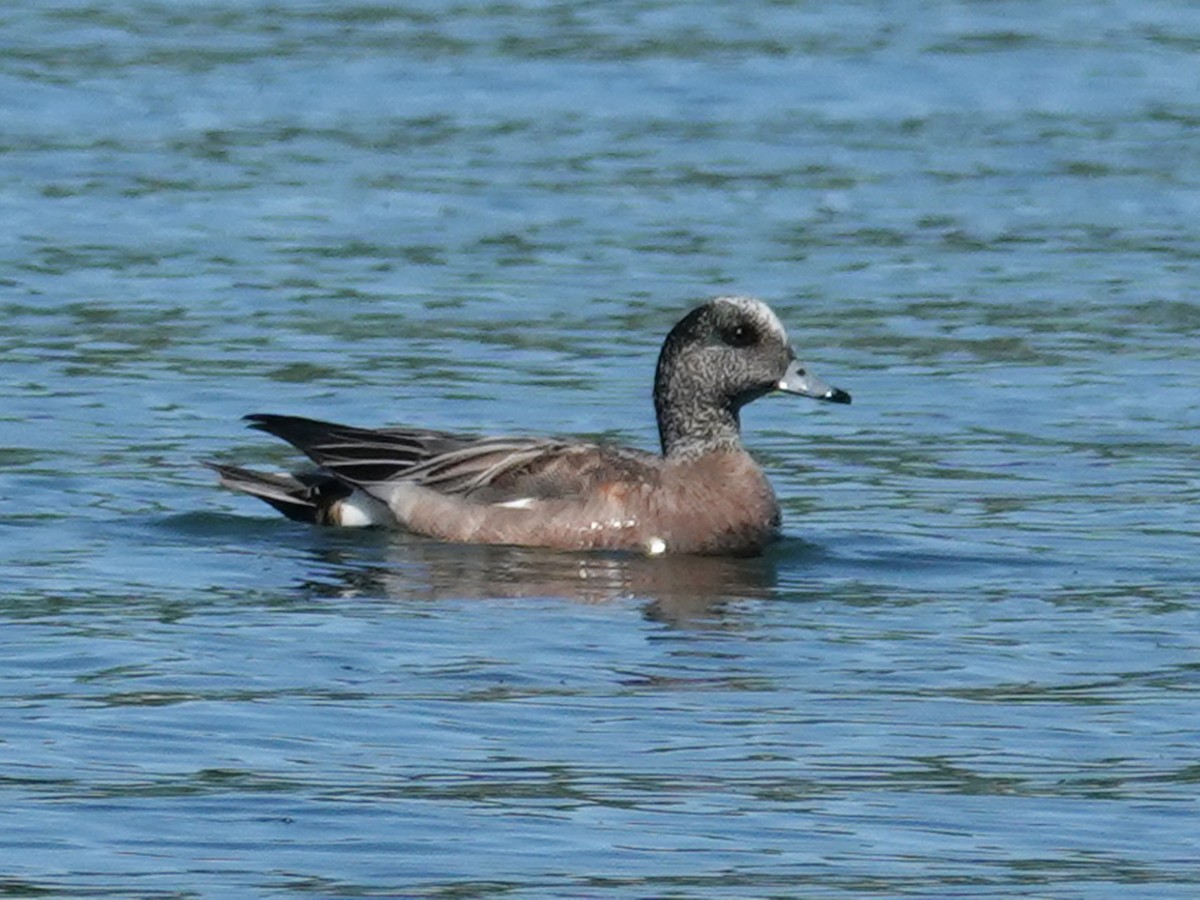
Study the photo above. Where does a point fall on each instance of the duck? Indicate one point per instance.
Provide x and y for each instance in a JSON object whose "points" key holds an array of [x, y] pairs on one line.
{"points": [[703, 494]]}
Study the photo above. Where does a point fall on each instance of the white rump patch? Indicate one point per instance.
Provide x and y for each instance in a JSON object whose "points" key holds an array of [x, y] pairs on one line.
{"points": [[656, 546], [361, 510]]}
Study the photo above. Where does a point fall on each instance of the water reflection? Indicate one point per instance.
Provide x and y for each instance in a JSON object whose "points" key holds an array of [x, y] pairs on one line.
{"points": [[404, 567]]}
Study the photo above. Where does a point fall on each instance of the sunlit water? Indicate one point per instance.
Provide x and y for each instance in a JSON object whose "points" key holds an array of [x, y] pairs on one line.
{"points": [[970, 669]]}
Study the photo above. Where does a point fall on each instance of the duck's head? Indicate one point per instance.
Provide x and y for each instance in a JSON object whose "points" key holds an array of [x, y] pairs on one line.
{"points": [[721, 356]]}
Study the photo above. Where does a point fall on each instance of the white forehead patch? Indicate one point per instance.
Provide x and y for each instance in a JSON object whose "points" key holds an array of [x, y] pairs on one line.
{"points": [[759, 311]]}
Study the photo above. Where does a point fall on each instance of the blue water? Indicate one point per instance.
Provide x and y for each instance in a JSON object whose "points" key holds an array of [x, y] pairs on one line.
{"points": [[970, 669]]}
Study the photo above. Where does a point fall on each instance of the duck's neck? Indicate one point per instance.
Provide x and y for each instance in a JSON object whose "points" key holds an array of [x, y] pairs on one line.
{"points": [[691, 424]]}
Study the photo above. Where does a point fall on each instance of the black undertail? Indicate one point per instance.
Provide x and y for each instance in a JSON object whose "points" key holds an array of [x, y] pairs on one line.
{"points": [[305, 497]]}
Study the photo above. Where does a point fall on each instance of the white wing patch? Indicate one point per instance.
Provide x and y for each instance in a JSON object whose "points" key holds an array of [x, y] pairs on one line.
{"points": [[521, 503]]}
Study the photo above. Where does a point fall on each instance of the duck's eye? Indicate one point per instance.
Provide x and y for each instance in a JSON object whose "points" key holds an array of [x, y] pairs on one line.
{"points": [[740, 336]]}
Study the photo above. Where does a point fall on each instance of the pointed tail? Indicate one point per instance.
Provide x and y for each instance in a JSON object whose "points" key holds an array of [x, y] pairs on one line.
{"points": [[302, 498]]}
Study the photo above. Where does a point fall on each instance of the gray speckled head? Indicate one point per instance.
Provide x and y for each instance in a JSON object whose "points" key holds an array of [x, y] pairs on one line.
{"points": [[721, 356]]}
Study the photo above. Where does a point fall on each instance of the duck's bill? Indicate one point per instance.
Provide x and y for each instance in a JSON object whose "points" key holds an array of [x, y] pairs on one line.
{"points": [[799, 380]]}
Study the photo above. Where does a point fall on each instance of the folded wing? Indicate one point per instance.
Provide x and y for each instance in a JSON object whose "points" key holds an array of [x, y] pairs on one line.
{"points": [[498, 470]]}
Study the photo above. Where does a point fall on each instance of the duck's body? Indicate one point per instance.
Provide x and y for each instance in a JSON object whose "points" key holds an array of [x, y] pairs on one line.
{"points": [[705, 494]]}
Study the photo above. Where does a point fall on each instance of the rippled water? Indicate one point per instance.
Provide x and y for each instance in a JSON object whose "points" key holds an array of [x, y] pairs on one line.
{"points": [[971, 668]]}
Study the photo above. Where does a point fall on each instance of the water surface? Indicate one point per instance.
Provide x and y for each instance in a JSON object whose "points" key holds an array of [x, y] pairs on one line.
{"points": [[969, 669]]}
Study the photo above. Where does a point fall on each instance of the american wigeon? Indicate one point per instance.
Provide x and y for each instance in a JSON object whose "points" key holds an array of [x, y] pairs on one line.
{"points": [[704, 494]]}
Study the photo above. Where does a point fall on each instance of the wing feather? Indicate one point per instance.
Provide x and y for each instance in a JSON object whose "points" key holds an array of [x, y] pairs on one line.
{"points": [[485, 469]]}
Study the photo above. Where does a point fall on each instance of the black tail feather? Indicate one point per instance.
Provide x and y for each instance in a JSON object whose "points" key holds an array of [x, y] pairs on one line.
{"points": [[302, 498], [358, 455]]}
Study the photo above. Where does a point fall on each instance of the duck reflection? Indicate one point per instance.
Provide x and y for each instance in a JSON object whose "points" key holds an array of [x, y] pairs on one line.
{"points": [[677, 589]]}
